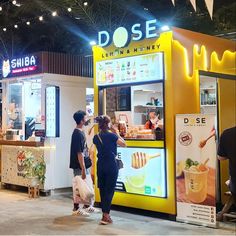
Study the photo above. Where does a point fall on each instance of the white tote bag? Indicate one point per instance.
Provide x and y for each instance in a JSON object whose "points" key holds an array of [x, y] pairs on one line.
{"points": [[83, 191]]}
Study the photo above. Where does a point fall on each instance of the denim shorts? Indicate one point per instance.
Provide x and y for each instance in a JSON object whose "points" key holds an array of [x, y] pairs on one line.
{"points": [[79, 171]]}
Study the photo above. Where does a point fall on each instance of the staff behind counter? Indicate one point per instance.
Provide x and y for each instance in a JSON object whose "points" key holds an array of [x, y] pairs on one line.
{"points": [[152, 130]]}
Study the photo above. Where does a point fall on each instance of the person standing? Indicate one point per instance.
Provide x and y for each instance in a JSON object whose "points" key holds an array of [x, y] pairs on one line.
{"points": [[78, 151], [106, 142], [227, 151]]}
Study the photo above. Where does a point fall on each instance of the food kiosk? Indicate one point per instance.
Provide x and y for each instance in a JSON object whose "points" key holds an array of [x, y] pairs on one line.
{"points": [[143, 71], [40, 94]]}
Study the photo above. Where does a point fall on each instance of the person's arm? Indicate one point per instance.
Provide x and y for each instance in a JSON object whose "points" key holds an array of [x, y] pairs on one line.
{"points": [[81, 163], [120, 141], [222, 158], [222, 151]]}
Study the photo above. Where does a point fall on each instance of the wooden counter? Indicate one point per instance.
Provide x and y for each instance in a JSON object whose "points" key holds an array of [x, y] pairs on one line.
{"points": [[22, 143]]}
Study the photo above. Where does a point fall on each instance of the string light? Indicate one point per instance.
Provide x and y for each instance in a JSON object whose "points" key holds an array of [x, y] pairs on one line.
{"points": [[85, 3], [0, 8], [41, 18], [27, 23], [16, 26], [14, 2], [4, 29], [69, 9], [54, 13]]}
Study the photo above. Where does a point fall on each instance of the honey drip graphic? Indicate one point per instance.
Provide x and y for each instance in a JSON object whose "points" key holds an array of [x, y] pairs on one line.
{"points": [[205, 60]]}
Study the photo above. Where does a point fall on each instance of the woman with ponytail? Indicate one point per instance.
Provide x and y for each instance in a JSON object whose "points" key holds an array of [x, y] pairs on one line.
{"points": [[106, 142]]}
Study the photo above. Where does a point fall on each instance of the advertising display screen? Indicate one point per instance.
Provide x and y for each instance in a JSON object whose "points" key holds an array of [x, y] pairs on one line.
{"points": [[196, 168], [143, 172], [52, 111], [143, 68]]}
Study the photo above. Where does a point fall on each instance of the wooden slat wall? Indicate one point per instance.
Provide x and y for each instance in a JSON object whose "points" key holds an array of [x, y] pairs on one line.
{"points": [[65, 64]]}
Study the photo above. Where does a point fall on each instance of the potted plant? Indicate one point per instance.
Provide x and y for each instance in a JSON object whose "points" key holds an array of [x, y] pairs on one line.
{"points": [[34, 169]]}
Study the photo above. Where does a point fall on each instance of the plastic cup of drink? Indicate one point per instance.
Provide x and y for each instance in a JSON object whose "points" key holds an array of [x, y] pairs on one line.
{"points": [[196, 185]]}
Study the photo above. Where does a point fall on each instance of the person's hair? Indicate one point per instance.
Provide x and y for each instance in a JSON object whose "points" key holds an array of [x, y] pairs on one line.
{"points": [[103, 122], [153, 110], [79, 116]]}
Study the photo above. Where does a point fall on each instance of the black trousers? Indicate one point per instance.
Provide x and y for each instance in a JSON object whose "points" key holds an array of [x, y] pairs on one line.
{"points": [[107, 178]]}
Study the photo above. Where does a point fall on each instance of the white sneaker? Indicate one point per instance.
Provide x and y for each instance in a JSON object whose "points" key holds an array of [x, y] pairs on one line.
{"points": [[91, 210], [80, 212]]}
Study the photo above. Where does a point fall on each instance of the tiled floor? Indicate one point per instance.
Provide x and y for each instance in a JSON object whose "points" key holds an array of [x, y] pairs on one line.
{"points": [[52, 216]]}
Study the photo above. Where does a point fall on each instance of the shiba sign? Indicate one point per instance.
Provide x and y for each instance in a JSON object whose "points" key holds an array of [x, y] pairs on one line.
{"points": [[19, 65]]}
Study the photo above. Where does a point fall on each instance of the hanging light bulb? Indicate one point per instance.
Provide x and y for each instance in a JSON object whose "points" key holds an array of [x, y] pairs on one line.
{"points": [[54, 13], [4, 29], [16, 26], [69, 9], [28, 23], [41, 18]]}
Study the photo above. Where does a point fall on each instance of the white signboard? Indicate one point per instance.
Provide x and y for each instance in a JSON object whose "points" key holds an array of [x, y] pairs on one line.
{"points": [[52, 111], [196, 169], [136, 69], [144, 171]]}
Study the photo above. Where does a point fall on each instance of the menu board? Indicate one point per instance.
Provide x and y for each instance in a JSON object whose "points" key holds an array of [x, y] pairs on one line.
{"points": [[52, 111], [143, 68], [196, 169], [143, 172]]}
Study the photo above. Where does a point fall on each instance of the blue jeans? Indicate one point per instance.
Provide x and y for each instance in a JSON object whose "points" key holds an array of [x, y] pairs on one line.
{"points": [[107, 178]]}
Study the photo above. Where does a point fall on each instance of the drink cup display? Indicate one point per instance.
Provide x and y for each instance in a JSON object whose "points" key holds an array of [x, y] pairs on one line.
{"points": [[136, 178], [196, 184]]}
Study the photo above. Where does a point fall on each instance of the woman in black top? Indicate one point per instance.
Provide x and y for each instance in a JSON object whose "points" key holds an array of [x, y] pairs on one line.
{"points": [[106, 142]]}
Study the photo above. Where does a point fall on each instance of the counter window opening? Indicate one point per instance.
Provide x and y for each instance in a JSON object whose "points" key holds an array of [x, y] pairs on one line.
{"points": [[23, 108], [136, 111]]}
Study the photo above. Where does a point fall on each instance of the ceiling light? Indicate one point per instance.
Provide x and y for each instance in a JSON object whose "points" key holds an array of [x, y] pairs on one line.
{"points": [[41, 18], [165, 28], [69, 9], [16, 26], [54, 13], [85, 3], [4, 29], [27, 23], [92, 43], [14, 2]]}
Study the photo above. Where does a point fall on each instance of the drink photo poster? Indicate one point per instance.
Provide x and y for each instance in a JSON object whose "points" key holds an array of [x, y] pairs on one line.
{"points": [[196, 168]]}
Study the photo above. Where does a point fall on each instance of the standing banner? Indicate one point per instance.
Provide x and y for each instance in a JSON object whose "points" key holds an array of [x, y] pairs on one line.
{"points": [[196, 169]]}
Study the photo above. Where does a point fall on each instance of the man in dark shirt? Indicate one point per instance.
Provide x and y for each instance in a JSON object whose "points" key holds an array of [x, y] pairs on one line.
{"points": [[227, 150], [78, 151]]}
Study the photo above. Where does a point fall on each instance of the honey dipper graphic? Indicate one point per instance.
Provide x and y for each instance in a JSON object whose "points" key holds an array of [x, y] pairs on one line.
{"points": [[140, 159]]}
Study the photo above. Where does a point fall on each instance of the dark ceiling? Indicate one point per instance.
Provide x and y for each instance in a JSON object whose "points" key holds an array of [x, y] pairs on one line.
{"points": [[71, 32]]}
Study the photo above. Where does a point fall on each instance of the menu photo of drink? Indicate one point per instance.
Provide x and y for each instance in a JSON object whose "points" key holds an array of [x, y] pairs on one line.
{"points": [[149, 67], [196, 169]]}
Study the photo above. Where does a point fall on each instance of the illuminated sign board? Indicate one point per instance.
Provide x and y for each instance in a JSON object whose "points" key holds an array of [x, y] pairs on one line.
{"points": [[52, 111], [136, 69], [121, 36], [16, 66], [143, 172]]}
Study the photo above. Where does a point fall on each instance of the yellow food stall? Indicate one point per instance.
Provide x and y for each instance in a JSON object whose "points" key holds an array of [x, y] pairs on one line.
{"points": [[152, 76]]}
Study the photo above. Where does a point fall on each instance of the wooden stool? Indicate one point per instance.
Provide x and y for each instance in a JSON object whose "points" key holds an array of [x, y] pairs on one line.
{"points": [[33, 191]]}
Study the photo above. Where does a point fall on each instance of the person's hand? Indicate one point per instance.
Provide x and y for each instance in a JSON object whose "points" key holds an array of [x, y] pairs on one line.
{"points": [[83, 174], [202, 143], [114, 130]]}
